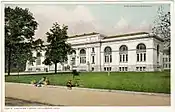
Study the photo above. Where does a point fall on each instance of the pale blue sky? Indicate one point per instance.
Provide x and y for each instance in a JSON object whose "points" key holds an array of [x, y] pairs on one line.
{"points": [[109, 19], [110, 13]]}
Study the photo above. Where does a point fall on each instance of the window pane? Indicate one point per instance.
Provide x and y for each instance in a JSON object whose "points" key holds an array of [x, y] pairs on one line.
{"points": [[123, 68], [38, 61], [137, 68], [93, 49], [110, 58], [93, 59], [141, 57], [120, 58], [126, 57], [107, 60], [73, 61], [144, 56], [137, 57], [123, 58], [126, 68], [82, 59], [140, 68]]}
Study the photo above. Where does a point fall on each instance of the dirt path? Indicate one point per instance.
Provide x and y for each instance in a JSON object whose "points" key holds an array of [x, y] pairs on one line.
{"points": [[19, 102], [75, 97]]}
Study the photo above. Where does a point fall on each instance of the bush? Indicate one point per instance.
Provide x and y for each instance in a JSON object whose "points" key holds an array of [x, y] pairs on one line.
{"points": [[33, 82], [75, 73]]}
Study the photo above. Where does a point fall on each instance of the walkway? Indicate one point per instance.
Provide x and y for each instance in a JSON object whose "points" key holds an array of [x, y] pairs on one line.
{"points": [[82, 97]]}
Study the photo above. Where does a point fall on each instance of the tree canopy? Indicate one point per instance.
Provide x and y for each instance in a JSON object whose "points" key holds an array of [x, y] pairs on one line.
{"points": [[58, 48], [162, 28], [20, 26]]}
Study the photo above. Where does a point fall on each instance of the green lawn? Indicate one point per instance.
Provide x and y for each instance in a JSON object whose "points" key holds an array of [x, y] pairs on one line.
{"points": [[158, 82]]}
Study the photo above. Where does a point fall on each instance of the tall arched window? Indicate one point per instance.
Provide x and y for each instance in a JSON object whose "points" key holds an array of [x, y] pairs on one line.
{"points": [[123, 52], [82, 56], [141, 52], [108, 55], [73, 56], [38, 58]]}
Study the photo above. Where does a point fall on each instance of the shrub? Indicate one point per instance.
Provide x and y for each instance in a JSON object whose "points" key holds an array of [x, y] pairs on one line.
{"points": [[75, 73], [33, 82]]}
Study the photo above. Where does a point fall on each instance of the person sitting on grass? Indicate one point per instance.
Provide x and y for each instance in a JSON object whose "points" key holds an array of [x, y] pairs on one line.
{"points": [[38, 84], [46, 82], [69, 84]]}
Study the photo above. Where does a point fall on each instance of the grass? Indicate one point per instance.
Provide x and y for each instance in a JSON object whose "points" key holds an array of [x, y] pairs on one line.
{"points": [[158, 82]]}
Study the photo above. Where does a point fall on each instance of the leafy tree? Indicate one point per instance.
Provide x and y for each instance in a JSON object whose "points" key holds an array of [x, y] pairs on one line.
{"points": [[58, 48], [20, 28], [162, 26]]}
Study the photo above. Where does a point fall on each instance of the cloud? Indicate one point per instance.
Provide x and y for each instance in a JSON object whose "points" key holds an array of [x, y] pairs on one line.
{"points": [[79, 20], [125, 26]]}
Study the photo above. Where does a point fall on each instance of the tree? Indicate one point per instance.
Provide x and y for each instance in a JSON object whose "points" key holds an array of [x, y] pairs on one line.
{"points": [[20, 28], [58, 48], [162, 26]]}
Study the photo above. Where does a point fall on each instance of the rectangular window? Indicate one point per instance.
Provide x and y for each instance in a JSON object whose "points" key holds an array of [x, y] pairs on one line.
{"points": [[106, 59], [123, 58], [137, 68], [120, 69], [73, 61], [93, 60], [140, 56], [144, 56], [120, 58], [104, 68], [169, 65], [110, 68], [126, 68], [92, 68], [93, 50], [123, 68], [169, 59], [144, 68], [38, 69], [140, 68], [29, 69], [83, 60], [110, 58], [137, 57], [166, 59], [38, 61], [163, 60], [126, 57]]}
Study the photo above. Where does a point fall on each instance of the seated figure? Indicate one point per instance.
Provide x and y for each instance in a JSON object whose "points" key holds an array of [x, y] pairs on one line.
{"points": [[38, 84], [69, 84]]}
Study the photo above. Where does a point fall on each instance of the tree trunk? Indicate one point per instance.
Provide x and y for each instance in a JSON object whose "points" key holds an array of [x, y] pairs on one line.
{"points": [[55, 68], [9, 60], [18, 71]]}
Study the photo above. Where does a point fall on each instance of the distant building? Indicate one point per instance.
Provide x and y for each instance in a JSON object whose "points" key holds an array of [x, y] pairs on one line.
{"points": [[166, 61], [96, 52]]}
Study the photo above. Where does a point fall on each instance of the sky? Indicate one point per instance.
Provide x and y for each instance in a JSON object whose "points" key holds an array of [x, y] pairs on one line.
{"points": [[107, 19]]}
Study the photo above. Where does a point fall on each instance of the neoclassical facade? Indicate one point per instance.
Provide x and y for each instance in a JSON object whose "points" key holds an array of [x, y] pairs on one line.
{"points": [[96, 52]]}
